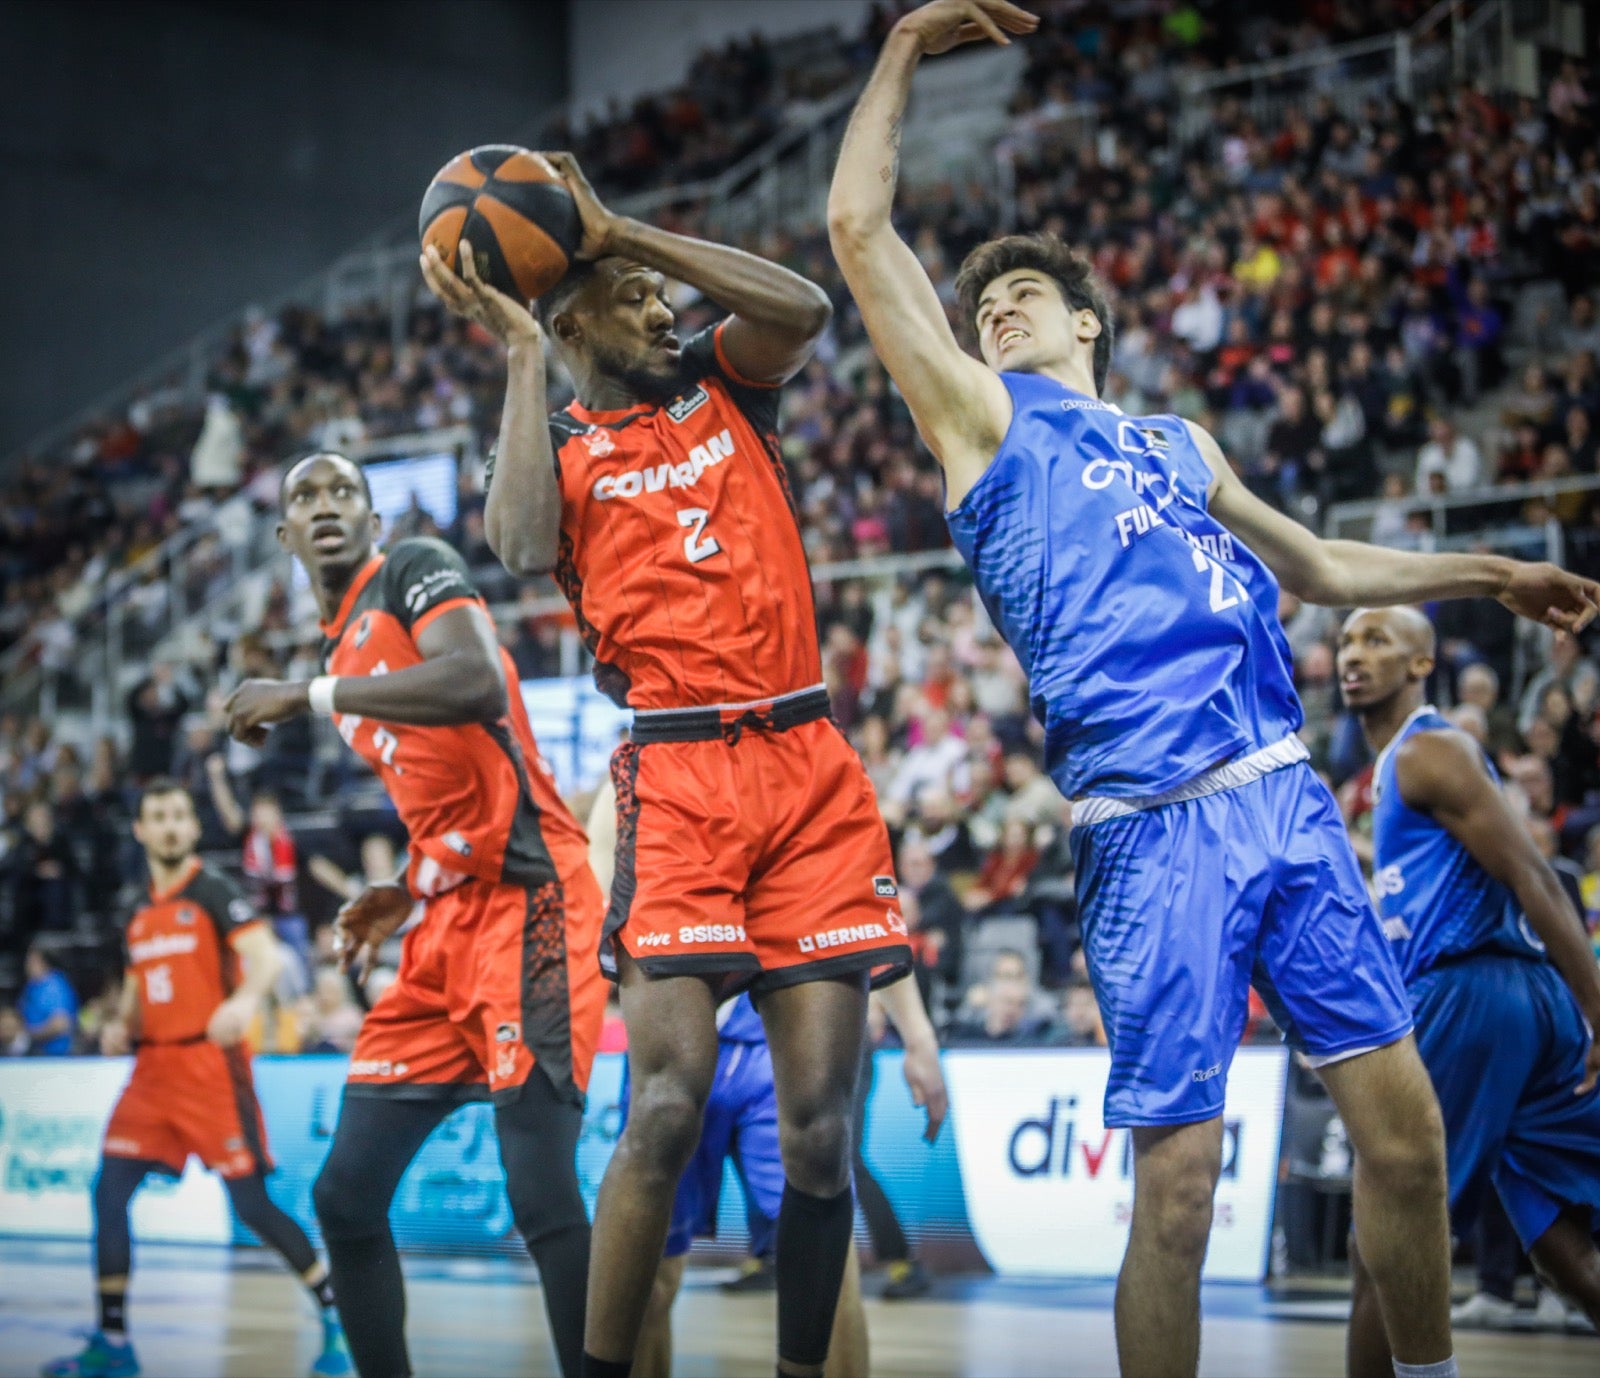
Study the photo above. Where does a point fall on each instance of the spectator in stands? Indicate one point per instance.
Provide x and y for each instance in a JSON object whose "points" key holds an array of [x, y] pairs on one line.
{"points": [[1568, 666], [937, 922], [156, 707], [1006, 1008], [1081, 1024], [1479, 686], [331, 1017], [1005, 871], [13, 1033], [40, 876], [1568, 872], [49, 1006], [270, 863], [1449, 453], [939, 825], [938, 760], [1034, 797]]}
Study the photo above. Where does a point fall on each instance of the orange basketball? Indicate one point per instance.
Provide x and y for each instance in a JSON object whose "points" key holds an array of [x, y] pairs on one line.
{"points": [[515, 211]]}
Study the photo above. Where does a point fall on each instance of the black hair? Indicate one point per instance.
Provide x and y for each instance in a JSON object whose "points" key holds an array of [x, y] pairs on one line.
{"points": [[161, 786], [298, 460], [578, 274], [1045, 253]]}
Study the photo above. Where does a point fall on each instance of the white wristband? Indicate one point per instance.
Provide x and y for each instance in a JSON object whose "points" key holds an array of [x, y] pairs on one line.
{"points": [[319, 694]]}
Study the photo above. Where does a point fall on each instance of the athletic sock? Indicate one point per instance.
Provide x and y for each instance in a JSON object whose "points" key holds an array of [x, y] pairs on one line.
{"points": [[323, 1292], [1445, 1368], [813, 1243], [114, 1316], [605, 1368]]}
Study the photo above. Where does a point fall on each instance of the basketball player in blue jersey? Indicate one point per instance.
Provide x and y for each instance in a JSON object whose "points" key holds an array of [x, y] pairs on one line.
{"points": [[1137, 581], [1504, 988]]}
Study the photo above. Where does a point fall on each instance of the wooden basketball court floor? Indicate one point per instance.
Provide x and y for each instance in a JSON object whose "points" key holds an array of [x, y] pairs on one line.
{"points": [[214, 1313]]}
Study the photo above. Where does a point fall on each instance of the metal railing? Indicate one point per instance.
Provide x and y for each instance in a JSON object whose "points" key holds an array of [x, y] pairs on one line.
{"points": [[1451, 516]]}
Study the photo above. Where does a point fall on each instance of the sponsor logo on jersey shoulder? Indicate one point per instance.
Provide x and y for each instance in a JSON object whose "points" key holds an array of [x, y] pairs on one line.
{"points": [[845, 937], [661, 476], [363, 630], [507, 1033], [431, 585], [884, 887], [681, 408], [711, 933]]}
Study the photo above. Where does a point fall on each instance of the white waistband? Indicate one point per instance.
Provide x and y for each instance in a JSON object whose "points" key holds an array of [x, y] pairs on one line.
{"points": [[1242, 770]]}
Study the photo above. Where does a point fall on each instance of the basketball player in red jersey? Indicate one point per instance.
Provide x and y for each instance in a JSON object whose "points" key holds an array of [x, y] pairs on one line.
{"points": [[199, 961], [750, 850], [499, 994]]}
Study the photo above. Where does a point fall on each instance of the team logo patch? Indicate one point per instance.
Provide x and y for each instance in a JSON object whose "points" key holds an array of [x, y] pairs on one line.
{"points": [[363, 630], [884, 887], [185, 914], [507, 1033], [681, 408], [599, 443], [1156, 439]]}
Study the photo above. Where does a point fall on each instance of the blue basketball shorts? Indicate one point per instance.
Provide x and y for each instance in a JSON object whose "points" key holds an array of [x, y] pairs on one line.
{"points": [[1503, 1040], [1185, 905]]}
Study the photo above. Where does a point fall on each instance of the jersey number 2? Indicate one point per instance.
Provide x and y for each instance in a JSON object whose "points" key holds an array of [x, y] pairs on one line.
{"points": [[1221, 599], [697, 545]]}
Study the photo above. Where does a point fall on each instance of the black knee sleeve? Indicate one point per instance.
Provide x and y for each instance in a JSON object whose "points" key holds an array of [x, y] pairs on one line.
{"points": [[114, 1187]]}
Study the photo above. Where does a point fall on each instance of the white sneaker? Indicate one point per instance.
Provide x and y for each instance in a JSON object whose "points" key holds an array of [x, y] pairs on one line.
{"points": [[1481, 1311], [1550, 1313]]}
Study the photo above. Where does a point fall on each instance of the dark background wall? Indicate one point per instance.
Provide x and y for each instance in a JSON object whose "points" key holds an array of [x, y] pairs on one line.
{"points": [[163, 164]]}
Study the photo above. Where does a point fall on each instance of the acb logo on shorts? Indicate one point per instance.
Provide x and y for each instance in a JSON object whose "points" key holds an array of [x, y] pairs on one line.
{"points": [[507, 1033], [884, 887]]}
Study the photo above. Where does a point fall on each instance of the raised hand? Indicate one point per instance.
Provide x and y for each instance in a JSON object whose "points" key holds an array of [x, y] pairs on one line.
{"points": [[946, 24], [599, 224], [1544, 593], [468, 295]]}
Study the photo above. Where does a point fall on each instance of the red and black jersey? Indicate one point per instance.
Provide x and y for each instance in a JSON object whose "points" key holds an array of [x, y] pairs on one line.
{"points": [[476, 798], [680, 545], [180, 951]]}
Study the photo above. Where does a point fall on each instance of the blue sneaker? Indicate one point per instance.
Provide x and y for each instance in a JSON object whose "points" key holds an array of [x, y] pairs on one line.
{"points": [[334, 1361], [99, 1359]]}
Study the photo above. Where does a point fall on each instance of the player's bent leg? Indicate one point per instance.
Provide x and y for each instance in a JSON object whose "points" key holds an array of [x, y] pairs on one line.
{"points": [[376, 1139], [1366, 1349], [849, 1351], [815, 1030], [1175, 1170], [279, 1231], [672, 1059], [1566, 1257], [538, 1134], [1400, 1209], [652, 1358]]}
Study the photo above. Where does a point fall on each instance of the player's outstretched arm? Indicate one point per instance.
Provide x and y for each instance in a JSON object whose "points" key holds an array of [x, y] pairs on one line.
{"points": [[777, 316], [1349, 574], [902, 1003], [1441, 774], [522, 511], [960, 407], [460, 680]]}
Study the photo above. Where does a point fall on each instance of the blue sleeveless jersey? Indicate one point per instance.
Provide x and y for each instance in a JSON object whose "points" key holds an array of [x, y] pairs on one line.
{"points": [[1436, 901], [1149, 634]]}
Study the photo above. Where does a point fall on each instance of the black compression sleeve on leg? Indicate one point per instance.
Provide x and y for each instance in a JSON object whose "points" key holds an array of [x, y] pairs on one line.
{"points": [[538, 1148], [375, 1142], [275, 1229], [813, 1243], [114, 1187]]}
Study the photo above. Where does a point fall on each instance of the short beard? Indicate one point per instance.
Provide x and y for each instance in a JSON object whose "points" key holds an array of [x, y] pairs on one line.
{"points": [[640, 382]]}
